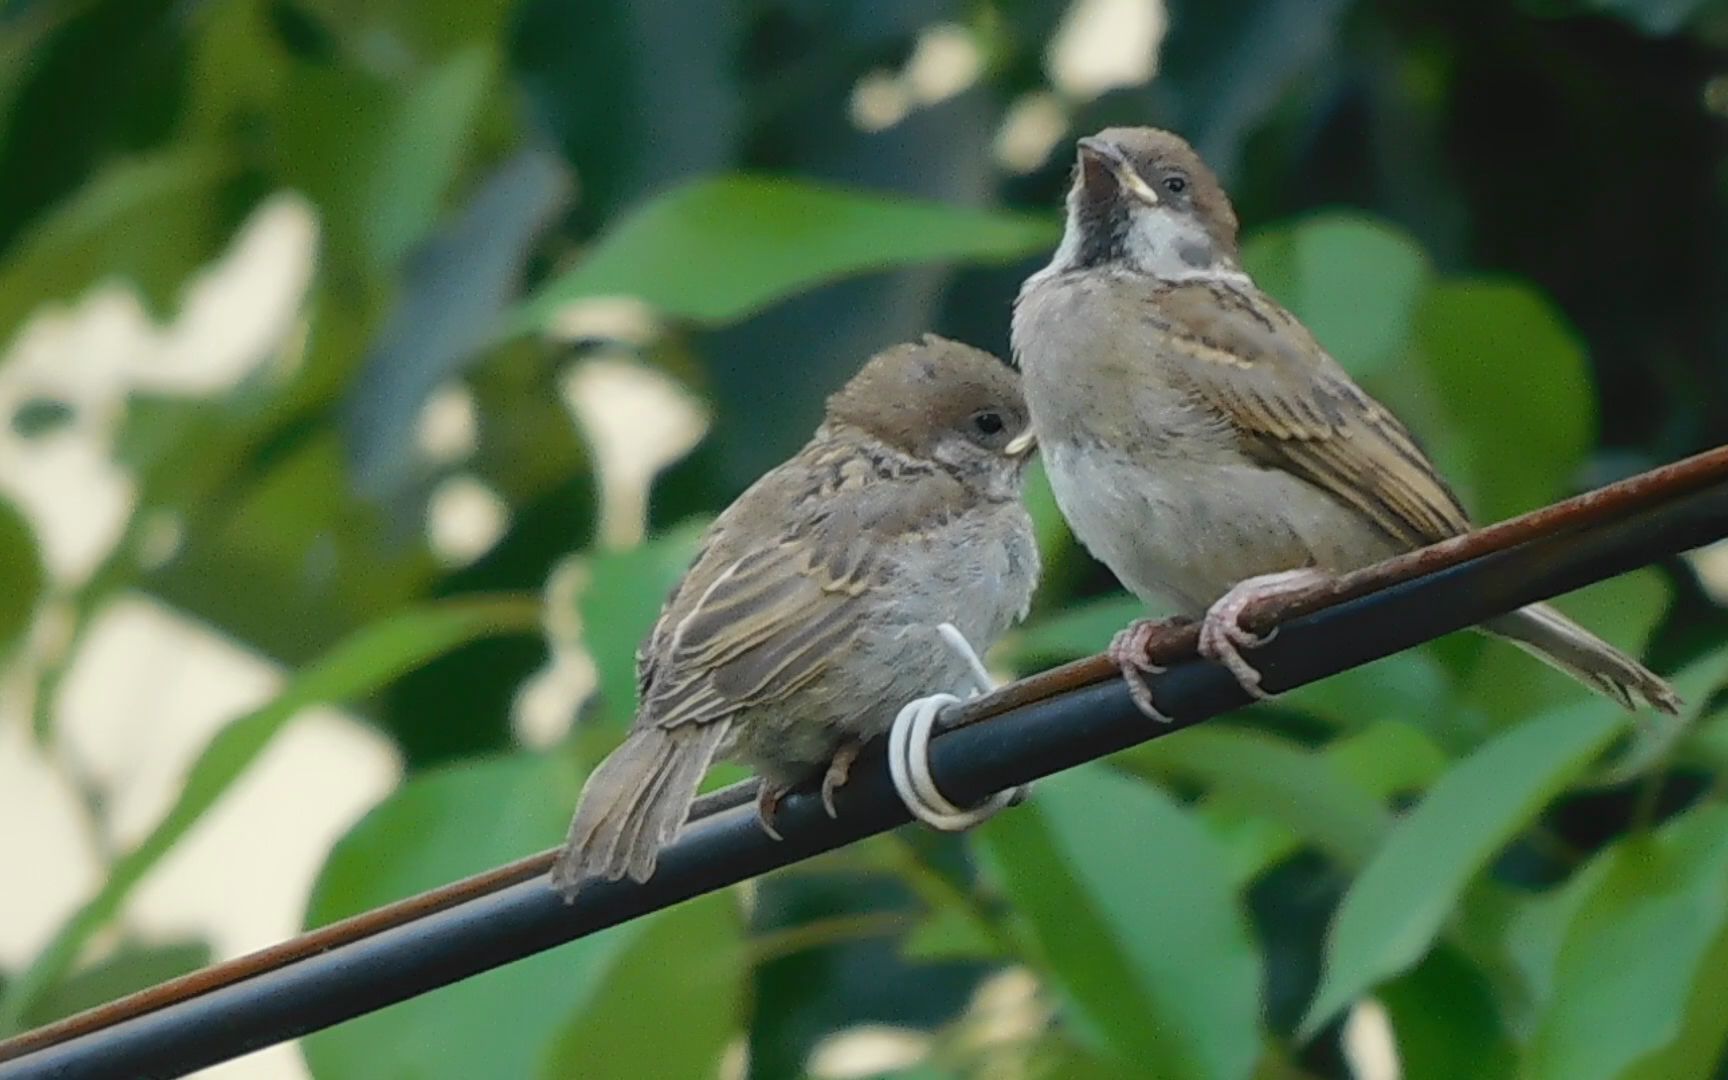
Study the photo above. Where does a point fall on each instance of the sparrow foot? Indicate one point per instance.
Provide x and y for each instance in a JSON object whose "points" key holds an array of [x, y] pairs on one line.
{"points": [[768, 807], [839, 771], [909, 751], [1131, 652], [1222, 635]]}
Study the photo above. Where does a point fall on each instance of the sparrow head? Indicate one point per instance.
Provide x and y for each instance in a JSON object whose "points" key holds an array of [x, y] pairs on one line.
{"points": [[1143, 200], [944, 402]]}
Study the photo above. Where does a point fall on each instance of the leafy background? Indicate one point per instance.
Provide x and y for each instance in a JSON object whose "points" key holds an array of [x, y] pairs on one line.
{"points": [[348, 338]]}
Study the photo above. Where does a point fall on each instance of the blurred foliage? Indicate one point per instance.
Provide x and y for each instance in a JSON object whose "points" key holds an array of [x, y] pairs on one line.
{"points": [[1507, 219]]}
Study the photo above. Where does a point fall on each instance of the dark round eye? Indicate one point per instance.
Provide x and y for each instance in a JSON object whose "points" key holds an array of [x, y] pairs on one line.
{"points": [[988, 423], [1175, 185]]}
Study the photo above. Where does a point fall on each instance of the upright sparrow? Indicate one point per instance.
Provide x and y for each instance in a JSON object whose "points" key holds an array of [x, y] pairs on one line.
{"points": [[1200, 441], [811, 612]]}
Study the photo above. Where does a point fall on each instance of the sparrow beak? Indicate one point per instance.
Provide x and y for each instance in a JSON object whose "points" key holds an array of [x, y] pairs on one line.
{"points": [[1021, 444], [1100, 159]]}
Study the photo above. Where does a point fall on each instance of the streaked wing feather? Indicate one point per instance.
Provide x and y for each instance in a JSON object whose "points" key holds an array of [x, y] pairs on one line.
{"points": [[783, 663], [749, 639], [755, 624], [1251, 359]]}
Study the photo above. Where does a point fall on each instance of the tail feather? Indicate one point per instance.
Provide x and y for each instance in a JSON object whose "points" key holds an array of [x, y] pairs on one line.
{"points": [[634, 803], [1551, 637]]}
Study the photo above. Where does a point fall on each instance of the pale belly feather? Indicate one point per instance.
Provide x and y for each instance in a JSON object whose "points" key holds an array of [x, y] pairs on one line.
{"points": [[1159, 490], [1183, 531]]}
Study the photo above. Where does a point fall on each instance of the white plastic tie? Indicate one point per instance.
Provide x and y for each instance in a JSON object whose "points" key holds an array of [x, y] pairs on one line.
{"points": [[909, 749]]}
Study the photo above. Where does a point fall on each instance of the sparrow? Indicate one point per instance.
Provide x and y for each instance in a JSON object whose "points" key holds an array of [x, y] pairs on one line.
{"points": [[1201, 442], [811, 610]]}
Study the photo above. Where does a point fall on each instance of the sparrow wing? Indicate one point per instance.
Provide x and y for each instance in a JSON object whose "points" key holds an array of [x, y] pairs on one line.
{"points": [[762, 613], [1244, 355]]}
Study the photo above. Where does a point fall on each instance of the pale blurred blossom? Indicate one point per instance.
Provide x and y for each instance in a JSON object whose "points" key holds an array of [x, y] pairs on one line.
{"points": [[735, 1060], [78, 500], [1370, 1047], [547, 702], [464, 518], [624, 319], [867, 1050], [64, 479], [449, 428], [1030, 130], [1710, 563], [1006, 1008], [879, 101], [87, 358], [1105, 44], [945, 62], [637, 422], [239, 310], [145, 693], [53, 854]]}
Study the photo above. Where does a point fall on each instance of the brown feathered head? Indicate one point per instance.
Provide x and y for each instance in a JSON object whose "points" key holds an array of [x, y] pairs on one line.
{"points": [[938, 400], [1142, 199]]}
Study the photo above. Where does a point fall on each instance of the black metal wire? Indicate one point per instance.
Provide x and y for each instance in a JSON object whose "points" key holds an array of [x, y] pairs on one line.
{"points": [[969, 763]]}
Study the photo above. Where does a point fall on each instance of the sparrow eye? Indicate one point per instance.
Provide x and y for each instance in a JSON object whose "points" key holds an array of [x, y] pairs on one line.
{"points": [[1175, 184], [988, 423]]}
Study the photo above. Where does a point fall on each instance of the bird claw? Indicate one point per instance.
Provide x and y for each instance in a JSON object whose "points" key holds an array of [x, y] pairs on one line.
{"points": [[767, 807], [1222, 635], [839, 771], [909, 752], [1130, 651]]}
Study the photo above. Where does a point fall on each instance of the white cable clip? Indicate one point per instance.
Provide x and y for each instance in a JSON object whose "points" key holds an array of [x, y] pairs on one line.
{"points": [[909, 750]]}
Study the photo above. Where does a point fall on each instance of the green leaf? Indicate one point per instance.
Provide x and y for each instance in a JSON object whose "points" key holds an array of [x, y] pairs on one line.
{"points": [[1383, 761], [419, 154], [1078, 630], [1656, 736], [23, 38], [439, 827], [591, 74], [20, 576], [448, 299], [1275, 779], [1129, 903], [718, 250], [1445, 1018], [416, 27], [236, 63], [1641, 977], [623, 596], [1390, 758], [1354, 281], [358, 666], [379, 175], [146, 220], [1226, 72], [130, 968], [1393, 910], [686, 963], [1536, 929], [951, 932], [1403, 686], [1512, 379]]}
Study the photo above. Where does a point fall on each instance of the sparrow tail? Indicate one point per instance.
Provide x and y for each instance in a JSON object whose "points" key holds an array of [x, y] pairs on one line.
{"points": [[634, 803], [1551, 637]]}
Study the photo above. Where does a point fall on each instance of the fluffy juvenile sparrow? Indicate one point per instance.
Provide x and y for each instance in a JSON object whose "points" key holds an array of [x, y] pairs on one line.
{"points": [[1200, 441], [811, 612]]}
